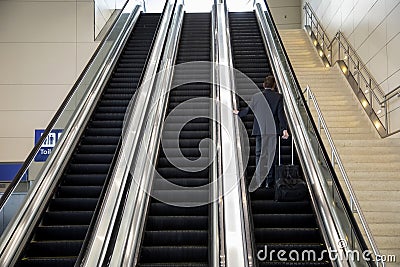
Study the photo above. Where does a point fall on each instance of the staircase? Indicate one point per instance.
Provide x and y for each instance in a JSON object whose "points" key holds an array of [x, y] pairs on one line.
{"points": [[371, 162]]}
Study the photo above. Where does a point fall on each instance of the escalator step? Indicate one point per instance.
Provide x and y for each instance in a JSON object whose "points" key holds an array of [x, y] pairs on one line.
{"points": [[177, 222], [67, 218], [175, 254], [84, 179], [70, 204], [61, 232], [283, 226], [42, 261], [175, 235], [285, 235], [52, 248]]}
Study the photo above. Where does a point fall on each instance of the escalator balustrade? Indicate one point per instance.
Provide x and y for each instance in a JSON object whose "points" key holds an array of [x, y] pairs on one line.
{"points": [[176, 235], [288, 226], [58, 238]]}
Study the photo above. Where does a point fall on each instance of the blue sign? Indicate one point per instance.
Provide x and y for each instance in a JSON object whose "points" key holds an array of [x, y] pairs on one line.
{"points": [[9, 170], [47, 145]]}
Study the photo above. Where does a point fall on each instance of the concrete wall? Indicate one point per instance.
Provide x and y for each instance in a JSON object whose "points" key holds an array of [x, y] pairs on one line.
{"points": [[372, 27], [103, 12], [44, 45], [286, 13]]}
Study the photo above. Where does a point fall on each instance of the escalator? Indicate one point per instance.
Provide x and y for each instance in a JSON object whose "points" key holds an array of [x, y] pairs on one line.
{"points": [[287, 226], [175, 235], [63, 227]]}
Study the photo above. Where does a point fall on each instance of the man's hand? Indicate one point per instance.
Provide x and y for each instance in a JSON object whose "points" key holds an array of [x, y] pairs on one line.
{"points": [[285, 134], [235, 111]]}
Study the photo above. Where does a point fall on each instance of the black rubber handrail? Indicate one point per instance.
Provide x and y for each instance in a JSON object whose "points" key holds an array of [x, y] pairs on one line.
{"points": [[350, 215], [25, 166]]}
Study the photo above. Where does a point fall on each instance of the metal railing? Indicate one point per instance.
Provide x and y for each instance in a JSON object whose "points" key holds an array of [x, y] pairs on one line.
{"points": [[339, 50], [335, 159]]}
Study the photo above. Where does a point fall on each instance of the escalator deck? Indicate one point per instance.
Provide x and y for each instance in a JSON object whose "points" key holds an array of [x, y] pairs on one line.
{"points": [[288, 226], [177, 235], [58, 238]]}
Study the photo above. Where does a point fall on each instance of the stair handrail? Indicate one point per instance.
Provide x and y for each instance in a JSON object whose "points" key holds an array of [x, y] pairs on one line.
{"points": [[47, 179], [335, 159], [369, 92], [320, 34], [327, 195]]}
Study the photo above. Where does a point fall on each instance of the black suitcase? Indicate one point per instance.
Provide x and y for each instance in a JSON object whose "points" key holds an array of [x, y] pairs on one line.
{"points": [[289, 186]]}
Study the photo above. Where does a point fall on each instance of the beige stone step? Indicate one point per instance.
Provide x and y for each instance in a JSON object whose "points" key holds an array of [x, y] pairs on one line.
{"points": [[377, 205], [377, 186], [386, 196], [341, 124], [388, 229], [387, 242], [353, 130], [367, 158], [336, 108], [363, 175], [368, 143], [372, 152], [372, 168], [331, 97], [351, 136], [343, 118]]}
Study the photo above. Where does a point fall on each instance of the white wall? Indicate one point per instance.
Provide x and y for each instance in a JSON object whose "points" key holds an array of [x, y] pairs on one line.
{"points": [[286, 13], [44, 45], [103, 10], [372, 27]]}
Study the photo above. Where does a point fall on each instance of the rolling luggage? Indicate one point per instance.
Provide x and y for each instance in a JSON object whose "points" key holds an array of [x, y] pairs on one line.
{"points": [[289, 186]]}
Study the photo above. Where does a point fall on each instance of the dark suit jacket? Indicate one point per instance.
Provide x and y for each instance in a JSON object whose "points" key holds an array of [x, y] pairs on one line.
{"points": [[264, 120]]}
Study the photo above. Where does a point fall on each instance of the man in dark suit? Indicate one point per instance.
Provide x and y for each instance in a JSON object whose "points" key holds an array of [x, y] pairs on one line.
{"points": [[269, 122]]}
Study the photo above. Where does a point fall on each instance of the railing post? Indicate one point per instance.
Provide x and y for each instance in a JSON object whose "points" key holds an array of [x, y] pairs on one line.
{"points": [[370, 92], [319, 125], [386, 115]]}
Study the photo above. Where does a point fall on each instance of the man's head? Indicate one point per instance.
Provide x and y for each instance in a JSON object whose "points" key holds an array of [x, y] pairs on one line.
{"points": [[269, 82]]}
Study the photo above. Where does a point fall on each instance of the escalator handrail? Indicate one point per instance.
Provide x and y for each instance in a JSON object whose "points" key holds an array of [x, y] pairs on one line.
{"points": [[218, 250], [136, 119], [330, 166], [25, 219], [246, 209], [28, 161], [238, 252], [327, 213], [115, 157]]}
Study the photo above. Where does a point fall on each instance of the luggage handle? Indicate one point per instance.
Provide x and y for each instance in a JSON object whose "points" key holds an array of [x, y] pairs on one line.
{"points": [[279, 149]]}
